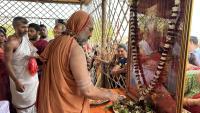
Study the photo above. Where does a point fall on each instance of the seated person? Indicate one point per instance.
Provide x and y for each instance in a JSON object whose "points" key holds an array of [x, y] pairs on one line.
{"points": [[122, 60], [120, 68], [117, 66]]}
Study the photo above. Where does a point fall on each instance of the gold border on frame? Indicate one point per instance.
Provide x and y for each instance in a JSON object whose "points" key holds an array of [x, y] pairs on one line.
{"points": [[183, 58], [184, 52]]}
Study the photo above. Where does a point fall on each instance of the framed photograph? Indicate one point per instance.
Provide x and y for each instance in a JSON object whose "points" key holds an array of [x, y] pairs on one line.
{"points": [[158, 40]]}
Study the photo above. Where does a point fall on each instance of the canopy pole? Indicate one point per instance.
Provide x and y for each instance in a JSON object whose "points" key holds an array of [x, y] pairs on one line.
{"points": [[81, 4], [103, 38]]}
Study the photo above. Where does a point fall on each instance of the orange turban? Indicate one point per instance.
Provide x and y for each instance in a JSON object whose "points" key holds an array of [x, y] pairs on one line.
{"points": [[78, 21]]}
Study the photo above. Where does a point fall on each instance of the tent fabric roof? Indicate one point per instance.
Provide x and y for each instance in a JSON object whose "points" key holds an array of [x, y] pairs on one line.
{"points": [[60, 1]]}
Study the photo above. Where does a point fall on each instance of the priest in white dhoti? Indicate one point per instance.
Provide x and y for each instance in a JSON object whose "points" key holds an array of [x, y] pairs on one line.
{"points": [[23, 79]]}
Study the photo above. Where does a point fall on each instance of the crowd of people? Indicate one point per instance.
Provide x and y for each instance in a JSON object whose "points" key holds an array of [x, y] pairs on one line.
{"points": [[39, 75]]}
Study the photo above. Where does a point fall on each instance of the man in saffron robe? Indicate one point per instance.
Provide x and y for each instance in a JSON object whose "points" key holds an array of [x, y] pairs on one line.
{"points": [[66, 85]]}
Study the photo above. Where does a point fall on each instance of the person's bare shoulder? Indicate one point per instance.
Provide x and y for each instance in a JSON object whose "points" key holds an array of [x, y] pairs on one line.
{"points": [[11, 37], [12, 42], [76, 48]]}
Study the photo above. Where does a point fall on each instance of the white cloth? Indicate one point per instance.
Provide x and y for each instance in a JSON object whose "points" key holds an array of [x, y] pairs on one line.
{"points": [[28, 110], [145, 47], [4, 107], [176, 50], [19, 63], [148, 73]]}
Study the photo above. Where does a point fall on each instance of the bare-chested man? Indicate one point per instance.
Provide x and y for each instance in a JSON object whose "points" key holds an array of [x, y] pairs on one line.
{"points": [[23, 85]]}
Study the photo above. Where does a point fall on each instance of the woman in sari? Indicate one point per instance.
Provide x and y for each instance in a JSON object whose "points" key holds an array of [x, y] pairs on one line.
{"points": [[191, 99], [4, 78]]}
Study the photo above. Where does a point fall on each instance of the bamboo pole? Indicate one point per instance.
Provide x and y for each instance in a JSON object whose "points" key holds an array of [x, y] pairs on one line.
{"points": [[103, 38], [81, 5], [103, 43], [183, 59]]}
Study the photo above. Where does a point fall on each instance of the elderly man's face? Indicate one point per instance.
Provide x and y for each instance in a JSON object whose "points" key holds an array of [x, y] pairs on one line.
{"points": [[85, 34]]}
